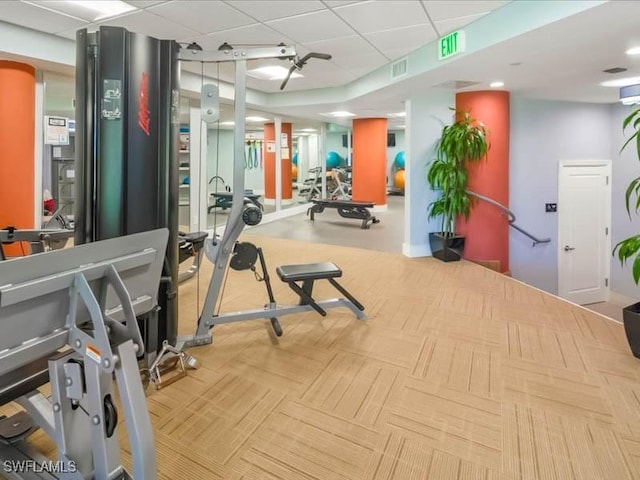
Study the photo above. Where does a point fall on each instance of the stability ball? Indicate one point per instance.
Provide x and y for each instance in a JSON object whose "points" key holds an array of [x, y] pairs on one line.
{"points": [[398, 180], [334, 160], [294, 160], [294, 172], [399, 160]]}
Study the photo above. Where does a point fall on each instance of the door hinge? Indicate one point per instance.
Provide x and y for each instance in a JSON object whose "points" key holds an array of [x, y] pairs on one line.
{"points": [[606, 282], [606, 230], [607, 177]]}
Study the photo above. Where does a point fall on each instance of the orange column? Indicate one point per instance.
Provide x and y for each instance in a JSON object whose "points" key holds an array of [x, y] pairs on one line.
{"points": [[369, 165], [270, 163], [487, 230], [17, 137]]}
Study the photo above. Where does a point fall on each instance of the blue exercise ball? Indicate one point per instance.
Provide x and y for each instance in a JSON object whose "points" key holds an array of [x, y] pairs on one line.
{"points": [[399, 160], [334, 160], [295, 158]]}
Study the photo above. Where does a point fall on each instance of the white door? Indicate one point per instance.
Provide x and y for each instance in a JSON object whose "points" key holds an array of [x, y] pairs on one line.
{"points": [[584, 246]]}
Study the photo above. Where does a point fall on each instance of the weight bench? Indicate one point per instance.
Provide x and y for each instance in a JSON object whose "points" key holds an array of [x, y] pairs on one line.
{"points": [[309, 273], [306, 274], [190, 245], [346, 209], [224, 200]]}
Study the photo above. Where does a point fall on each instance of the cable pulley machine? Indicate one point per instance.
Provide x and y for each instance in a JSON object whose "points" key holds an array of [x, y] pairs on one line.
{"points": [[226, 252]]}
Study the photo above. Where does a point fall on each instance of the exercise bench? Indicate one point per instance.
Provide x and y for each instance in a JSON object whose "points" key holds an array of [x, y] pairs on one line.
{"points": [[346, 209], [224, 200], [309, 273]]}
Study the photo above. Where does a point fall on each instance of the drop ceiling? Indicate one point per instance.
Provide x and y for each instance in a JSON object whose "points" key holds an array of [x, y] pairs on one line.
{"points": [[560, 61]]}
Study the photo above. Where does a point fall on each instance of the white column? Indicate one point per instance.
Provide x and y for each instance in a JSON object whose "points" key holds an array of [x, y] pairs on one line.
{"points": [[278, 128], [198, 171]]}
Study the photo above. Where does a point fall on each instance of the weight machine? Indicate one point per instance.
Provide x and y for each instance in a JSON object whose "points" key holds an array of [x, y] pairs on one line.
{"points": [[69, 318], [226, 252]]}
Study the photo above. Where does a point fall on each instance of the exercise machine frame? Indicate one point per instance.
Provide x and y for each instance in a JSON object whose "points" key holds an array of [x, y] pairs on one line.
{"points": [[69, 317], [222, 249]]}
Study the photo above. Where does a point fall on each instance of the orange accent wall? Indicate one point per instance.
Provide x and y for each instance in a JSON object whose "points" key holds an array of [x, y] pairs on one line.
{"points": [[17, 137], [487, 230], [369, 182], [270, 163]]}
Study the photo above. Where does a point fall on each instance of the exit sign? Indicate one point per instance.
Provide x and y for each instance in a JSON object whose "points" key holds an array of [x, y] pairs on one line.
{"points": [[451, 44]]}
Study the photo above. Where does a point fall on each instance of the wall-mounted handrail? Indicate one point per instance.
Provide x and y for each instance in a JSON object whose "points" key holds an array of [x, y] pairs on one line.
{"points": [[510, 215]]}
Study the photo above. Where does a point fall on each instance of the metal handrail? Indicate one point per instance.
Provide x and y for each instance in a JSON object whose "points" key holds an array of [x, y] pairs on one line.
{"points": [[510, 215]]}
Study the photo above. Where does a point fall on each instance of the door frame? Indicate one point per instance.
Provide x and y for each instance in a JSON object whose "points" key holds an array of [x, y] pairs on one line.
{"points": [[607, 218]]}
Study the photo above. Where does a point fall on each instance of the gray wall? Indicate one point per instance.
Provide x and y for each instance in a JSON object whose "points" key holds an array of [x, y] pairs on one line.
{"points": [[254, 178], [426, 115], [625, 167], [542, 134]]}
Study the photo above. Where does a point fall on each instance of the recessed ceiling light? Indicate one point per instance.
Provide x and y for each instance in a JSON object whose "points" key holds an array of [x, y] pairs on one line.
{"points": [[308, 130], [621, 82], [272, 72], [397, 115], [496, 84], [402, 126], [339, 113], [633, 51], [104, 8], [256, 119], [227, 123]]}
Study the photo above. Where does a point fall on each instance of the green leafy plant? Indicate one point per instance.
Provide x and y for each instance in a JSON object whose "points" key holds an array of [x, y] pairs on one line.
{"points": [[630, 247], [460, 143]]}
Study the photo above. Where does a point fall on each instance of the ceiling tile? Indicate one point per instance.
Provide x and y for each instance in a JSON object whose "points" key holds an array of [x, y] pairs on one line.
{"points": [[312, 27], [342, 47], [446, 9], [203, 17], [370, 17], [340, 3], [399, 41], [447, 26], [271, 10], [256, 34], [150, 24], [145, 3], [37, 18]]}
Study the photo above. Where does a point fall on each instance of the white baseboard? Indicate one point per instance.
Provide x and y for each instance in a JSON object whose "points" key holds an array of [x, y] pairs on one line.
{"points": [[413, 251]]}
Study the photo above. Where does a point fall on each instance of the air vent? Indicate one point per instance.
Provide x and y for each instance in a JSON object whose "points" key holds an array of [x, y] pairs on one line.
{"points": [[615, 70], [399, 68]]}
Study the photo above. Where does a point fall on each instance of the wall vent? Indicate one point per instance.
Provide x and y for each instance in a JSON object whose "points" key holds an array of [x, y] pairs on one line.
{"points": [[399, 68]]}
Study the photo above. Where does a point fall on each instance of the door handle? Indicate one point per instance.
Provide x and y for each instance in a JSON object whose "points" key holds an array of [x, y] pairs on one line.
{"points": [[567, 248]]}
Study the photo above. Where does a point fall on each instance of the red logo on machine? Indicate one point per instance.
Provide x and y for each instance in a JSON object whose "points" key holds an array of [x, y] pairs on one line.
{"points": [[143, 104]]}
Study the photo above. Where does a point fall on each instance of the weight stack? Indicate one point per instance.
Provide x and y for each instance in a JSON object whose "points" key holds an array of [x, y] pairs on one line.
{"points": [[127, 128]]}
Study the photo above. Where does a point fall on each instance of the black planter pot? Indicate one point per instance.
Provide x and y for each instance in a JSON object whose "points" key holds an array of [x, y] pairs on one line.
{"points": [[446, 248], [631, 320]]}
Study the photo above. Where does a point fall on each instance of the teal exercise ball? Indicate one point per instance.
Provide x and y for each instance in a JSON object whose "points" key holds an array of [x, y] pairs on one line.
{"points": [[185, 181], [334, 160], [399, 160], [295, 158]]}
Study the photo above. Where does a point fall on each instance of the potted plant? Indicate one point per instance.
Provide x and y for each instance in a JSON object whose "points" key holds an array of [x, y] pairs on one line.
{"points": [[630, 247], [461, 143]]}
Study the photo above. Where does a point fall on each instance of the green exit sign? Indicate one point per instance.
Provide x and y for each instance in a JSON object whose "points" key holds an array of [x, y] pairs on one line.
{"points": [[451, 44]]}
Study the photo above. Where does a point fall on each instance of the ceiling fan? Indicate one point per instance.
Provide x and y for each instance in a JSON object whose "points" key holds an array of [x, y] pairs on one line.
{"points": [[298, 63]]}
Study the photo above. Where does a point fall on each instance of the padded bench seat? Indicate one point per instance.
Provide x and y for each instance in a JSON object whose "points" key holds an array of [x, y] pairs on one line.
{"points": [[309, 271], [346, 209]]}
